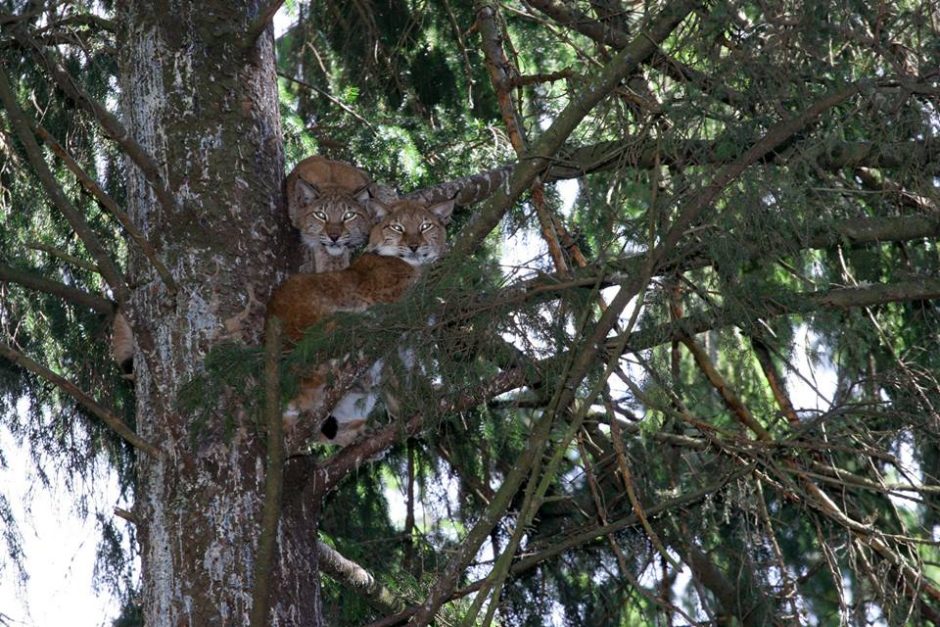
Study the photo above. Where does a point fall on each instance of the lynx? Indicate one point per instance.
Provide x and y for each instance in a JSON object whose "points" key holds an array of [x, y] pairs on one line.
{"points": [[408, 237], [328, 202]]}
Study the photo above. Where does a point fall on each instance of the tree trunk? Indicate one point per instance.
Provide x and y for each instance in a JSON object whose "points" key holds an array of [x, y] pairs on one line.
{"points": [[204, 103]]}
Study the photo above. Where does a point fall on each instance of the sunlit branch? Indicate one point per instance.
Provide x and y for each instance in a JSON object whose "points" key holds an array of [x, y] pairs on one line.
{"points": [[774, 380], [108, 417], [731, 399], [357, 579], [108, 203], [111, 125], [20, 124], [61, 290]]}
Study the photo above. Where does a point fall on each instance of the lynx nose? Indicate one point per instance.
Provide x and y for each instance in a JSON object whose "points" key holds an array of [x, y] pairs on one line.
{"points": [[413, 247]]}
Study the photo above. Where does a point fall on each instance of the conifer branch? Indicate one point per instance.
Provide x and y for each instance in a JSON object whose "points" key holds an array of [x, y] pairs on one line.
{"points": [[274, 475], [580, 537], [596, 337], [731, 399], [608, 35], [927, 288], [63, 291], [107, 203], [502, 74], [18, 121], [111, 125], [340, 465], [107, 416], [633, 152], [72, 260]]}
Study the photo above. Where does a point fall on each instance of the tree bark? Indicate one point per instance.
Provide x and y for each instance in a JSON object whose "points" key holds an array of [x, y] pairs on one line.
{"points": [[204, 105]]}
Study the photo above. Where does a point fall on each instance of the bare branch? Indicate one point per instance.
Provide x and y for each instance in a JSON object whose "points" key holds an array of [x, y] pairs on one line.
{"points": [[339, 103], [64, 256], [108, 417], [66, 292], [20, 124]]}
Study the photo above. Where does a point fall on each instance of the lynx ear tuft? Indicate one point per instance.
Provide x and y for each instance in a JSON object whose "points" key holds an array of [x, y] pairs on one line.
{"points": [[306, 193], [363, 194], [443, 210], [378, 209]]}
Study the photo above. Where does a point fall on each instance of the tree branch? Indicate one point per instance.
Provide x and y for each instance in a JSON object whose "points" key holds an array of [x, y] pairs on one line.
{"points": [[274, 476], [579, 538], [927, 288], [109, 418], [536, 159], [111, 125], [502, 74], [20, 124], [260, 23], [357, 579], [72, 260], [336, 468], [66, 292], [633, 152]]}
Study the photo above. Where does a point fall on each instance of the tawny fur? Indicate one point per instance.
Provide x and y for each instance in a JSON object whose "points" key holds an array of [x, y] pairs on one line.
{"points": [[409, 237], [122, 344], [329, 203], [305, 299]]}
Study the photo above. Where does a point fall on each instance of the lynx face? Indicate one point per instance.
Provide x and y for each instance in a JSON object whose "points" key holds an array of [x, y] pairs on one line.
{"points": [[333, 218], [411, 232]]}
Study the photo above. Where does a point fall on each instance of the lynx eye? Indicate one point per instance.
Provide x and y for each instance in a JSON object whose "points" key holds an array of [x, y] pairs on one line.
{"points": [[397, 228], [427, 226], [319, 215], [348, 216]]}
